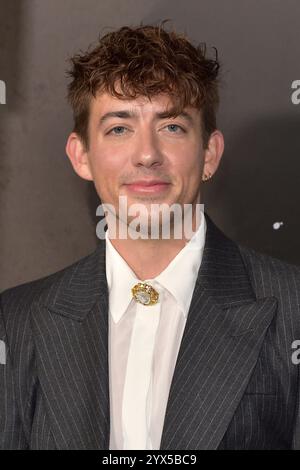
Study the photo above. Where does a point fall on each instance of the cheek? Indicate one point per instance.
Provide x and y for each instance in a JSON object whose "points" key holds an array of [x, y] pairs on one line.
{"points": [[189, 171], [188, 163], [107, 165]]}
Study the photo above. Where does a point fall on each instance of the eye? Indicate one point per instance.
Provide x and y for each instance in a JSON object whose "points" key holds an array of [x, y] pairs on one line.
{"points": [[118, 130], [175, 129]]}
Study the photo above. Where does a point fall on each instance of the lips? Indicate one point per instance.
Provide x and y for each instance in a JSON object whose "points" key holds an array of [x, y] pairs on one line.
{"points": [[148, 182], [148, 186]]}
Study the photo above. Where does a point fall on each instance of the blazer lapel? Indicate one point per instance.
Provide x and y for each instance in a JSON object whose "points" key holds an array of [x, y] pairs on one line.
{"points": [[71, 335], [225, 329]]}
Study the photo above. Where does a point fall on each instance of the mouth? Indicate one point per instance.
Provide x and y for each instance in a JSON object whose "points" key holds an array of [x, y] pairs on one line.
{"points": [[146, 187]]}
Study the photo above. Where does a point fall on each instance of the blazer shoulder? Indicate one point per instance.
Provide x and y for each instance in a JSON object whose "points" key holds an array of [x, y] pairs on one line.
{"points": [[18, 299], [271, 276], [268, 265]]}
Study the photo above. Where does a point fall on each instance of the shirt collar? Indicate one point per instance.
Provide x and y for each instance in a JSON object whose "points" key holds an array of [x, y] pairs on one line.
{"points": [[178, 277]]}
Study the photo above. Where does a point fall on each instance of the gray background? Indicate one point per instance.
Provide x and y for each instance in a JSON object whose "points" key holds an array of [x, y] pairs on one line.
{"points": [[47, 213]]}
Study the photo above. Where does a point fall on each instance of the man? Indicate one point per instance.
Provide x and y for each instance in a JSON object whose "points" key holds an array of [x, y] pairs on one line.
{"points": [[152, 343]]}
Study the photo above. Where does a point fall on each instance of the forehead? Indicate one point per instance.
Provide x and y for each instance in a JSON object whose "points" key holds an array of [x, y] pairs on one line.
{"points": [[104, 102]]}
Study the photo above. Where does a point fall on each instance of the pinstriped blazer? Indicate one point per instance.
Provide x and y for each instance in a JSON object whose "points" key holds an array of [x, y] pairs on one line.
{"points": [[234, 385]]}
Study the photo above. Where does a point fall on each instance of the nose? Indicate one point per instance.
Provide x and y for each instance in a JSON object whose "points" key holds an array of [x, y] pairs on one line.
{"points": [[147, 150]]}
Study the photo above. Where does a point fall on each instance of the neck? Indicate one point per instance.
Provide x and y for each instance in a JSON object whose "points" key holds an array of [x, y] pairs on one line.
{"points": [[148, 257]]}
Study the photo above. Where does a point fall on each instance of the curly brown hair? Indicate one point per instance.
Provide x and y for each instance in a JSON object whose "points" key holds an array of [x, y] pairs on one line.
{"points": [[145, 61]]}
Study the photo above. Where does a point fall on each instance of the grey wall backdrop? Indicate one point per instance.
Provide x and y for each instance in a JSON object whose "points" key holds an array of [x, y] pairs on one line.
{"points": [[47, 213]]}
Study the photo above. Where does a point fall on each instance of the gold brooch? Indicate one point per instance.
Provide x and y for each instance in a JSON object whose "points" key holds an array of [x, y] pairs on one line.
{"points": [[145, 294]]}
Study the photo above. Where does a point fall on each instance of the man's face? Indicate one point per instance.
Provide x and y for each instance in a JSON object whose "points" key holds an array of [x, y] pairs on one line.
{"points": [[136, 150]]}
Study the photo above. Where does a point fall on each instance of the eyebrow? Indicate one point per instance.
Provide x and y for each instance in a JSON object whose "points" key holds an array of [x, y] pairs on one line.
{"points": [[128, 114]]}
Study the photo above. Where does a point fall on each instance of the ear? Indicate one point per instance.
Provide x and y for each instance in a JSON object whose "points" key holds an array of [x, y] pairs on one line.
{"points": [[78, 156], [213, 153]]}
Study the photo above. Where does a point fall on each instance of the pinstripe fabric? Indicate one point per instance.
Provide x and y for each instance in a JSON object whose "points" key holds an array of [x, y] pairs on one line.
{"points": [[234, 384]]}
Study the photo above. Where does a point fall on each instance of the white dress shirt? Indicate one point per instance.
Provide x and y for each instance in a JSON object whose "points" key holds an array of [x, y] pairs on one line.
{"points": [[144, 342]]}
